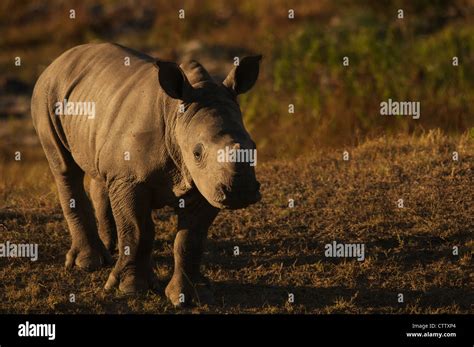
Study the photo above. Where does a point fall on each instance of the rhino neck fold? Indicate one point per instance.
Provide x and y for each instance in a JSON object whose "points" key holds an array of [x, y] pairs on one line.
{"points": [[170, 112]]}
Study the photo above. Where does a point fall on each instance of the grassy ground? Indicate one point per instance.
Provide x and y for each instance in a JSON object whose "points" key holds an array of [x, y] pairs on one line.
{"points": [[408, 250]]}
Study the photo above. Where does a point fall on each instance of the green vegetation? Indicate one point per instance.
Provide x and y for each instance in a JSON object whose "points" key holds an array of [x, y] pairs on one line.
{"points": [[336, 104], [409, 59]]}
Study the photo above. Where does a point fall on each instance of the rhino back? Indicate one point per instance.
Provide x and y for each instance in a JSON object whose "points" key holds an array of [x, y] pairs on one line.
{"points": [[129, 106]]}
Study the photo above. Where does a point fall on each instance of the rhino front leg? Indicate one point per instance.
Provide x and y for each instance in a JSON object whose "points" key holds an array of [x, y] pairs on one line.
{"points": [[131, 207], [188, 285], [103, 213]]}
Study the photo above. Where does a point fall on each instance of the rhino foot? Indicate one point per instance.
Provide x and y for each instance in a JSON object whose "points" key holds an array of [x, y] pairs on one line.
{"points": [[131, 282], [88, 258], [183, 292]]}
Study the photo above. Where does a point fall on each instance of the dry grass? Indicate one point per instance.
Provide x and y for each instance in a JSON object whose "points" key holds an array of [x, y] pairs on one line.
{"points": [[408, 250]]}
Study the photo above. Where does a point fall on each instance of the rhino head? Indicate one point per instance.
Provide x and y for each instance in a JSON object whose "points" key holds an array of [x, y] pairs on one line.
{"points": [[215, 151]]}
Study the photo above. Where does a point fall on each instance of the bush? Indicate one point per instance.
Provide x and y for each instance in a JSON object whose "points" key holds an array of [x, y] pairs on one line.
{"points": [[338, 105]]}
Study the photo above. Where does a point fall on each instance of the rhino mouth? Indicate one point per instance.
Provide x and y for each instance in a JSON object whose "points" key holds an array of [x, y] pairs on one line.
{"points": [[237, 199]]}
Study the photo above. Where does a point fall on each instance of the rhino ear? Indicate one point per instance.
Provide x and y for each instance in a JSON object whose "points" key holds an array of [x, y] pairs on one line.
{"points": [[173, 80], [243, 76]]}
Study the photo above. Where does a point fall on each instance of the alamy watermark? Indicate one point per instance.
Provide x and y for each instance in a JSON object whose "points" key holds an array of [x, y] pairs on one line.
{"points": [[345, 250], [37, 330], [237, 155], [400, 108], [75, 108], [19, 250]]}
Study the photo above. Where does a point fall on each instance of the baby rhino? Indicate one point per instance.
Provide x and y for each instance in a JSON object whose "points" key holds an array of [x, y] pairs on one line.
{"points": [[150, 134]]}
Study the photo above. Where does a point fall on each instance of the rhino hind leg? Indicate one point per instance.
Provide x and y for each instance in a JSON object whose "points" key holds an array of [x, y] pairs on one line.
{"points": [[134, 269], [87, 250], [187, 285], [103, 213]]}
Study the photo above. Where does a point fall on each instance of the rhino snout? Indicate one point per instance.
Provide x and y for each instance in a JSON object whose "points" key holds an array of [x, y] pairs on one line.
{"points": [[239, 196]]}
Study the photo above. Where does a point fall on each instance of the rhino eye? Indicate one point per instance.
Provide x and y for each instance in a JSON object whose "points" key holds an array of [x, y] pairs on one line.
{"points": [[197, 152]]}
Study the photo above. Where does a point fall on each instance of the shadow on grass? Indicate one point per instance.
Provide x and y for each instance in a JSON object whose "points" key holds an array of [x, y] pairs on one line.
{"points": [[354, 300]]}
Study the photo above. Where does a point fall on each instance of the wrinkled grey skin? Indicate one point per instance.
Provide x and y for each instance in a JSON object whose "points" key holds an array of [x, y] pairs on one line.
{"points": [[172, 156]]}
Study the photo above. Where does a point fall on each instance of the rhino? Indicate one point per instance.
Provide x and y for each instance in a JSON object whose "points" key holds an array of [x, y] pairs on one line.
{"points": [[152, 142]]}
